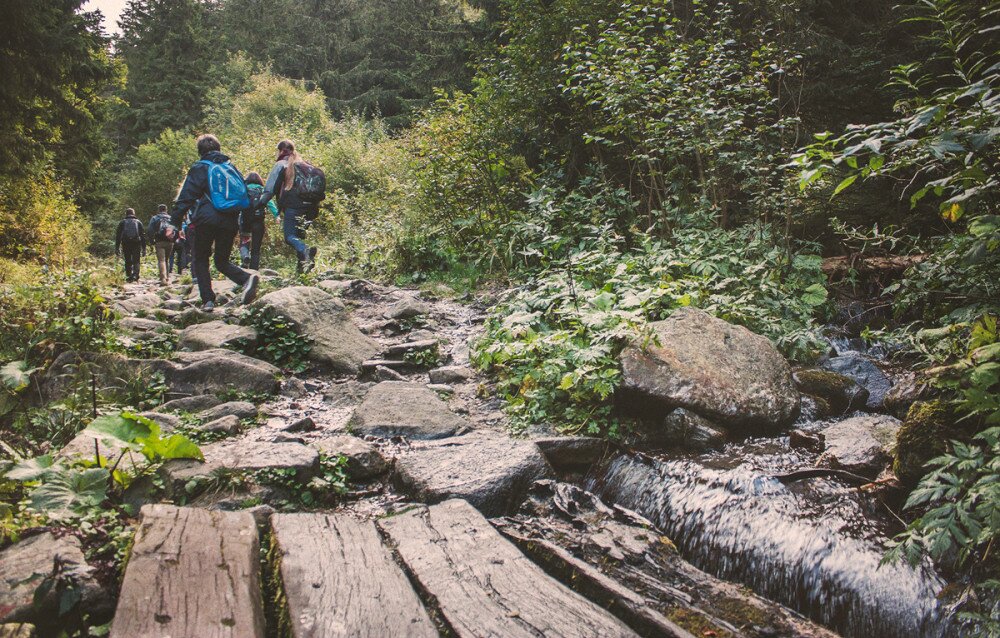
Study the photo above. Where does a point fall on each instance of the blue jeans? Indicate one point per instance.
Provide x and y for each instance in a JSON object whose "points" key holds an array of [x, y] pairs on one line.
{"points": [[294, 226]]}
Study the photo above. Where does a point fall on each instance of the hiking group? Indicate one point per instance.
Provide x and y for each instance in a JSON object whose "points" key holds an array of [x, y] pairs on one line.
{"points": [[216, 202]]}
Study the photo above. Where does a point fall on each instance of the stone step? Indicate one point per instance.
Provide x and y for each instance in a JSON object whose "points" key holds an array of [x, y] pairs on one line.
{"points": [[339, 580], [483, 584], [192, 573]]}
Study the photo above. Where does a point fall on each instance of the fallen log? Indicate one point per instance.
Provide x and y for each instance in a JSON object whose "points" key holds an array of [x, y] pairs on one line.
{"points": [[822, 472], [836, 267]]}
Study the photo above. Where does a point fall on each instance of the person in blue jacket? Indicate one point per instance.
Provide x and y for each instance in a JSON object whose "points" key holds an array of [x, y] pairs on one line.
{"points": [[252, 222], [216, 230]]}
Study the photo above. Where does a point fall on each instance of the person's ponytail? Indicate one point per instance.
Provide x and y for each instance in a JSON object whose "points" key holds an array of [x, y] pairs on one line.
{"points": [[287, 148]]}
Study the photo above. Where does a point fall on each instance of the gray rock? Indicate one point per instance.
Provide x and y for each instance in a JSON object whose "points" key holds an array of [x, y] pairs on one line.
{"points": [[840, 392], [397, 408], [136, 324], [685, 429], [305, 424], [214, 334], [572, 451], [441, 388], [196, 403], [23, 567], [336, 341], [407, 308], [168, 422], [175, 304], [492, 472], [131, 305], [862, 444], [865, 372], [192, 316], [905, 392], [239, 409], [363, 460], [451, 374], [229, 424], [719, 370], [402, 349], [348, 393], [218, 371], [335, 286], [383, 373], [242, 455]]}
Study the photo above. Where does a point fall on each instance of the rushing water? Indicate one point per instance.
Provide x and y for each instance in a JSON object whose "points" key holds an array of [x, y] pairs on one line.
{"points": [[812, 545]]}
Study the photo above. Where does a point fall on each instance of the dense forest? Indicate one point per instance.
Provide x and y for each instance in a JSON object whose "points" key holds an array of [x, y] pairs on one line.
{"points": [[805, 169]]}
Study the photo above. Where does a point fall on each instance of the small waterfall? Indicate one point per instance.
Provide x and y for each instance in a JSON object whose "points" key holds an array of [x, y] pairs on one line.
{"points": [[810, 546]]}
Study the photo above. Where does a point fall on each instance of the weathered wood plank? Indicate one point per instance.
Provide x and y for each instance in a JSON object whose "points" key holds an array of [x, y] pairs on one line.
{"points": [[340, 580], [193, 573], [484, 585]]}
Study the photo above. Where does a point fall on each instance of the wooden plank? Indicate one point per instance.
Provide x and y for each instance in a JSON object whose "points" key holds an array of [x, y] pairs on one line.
{"points": [[484, 585], [193, 573], [340, 580]]}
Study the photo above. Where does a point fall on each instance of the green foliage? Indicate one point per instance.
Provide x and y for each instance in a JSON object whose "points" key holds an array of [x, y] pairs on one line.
{"points": [[153, 176], [62, 311], [40, 221], [425, 357], [15, 377], [554, 343], [278, 340]]}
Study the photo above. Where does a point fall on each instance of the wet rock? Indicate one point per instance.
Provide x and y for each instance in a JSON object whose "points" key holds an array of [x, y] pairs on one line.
{"points": [[451, 374], [685, 429], [396, 408], [865, 372], [137, 303], [407, 308], [571, 451], [925, 434], [800, 439], [363, 460], [218, 371], [214, 334], [197, 403], [862, 444], [814, 409], [242, 455], [492, 472], [238, 409], [906, 391], [23, 567], [721, 371], [336, 341], [841, 393], [229, 425]]}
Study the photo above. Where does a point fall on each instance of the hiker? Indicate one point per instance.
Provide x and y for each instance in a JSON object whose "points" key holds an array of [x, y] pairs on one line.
{"points": [[130, 239], [299, 187], [179, 254], [162, 233], [252, 223], [214, 189]]}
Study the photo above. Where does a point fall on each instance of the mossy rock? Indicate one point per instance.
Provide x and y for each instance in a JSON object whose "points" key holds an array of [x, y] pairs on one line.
{"points": [[840, 392], [926, 431]]}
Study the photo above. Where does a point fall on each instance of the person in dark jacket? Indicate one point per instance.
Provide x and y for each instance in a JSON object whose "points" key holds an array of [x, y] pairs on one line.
{"points": [[298, 214], [216, 230], [130, 238], [252, 223]]}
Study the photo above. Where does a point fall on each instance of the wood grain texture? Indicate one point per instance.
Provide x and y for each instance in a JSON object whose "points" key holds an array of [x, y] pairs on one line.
{"points": [[340, 580], [484, 586], [193, 573]]}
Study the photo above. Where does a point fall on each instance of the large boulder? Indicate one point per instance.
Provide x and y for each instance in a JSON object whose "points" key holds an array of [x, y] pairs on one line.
{"points": [[719, 370], [926, 432], [336, 341], [242, 455], [220, 371], [23, 567], [862, 444], [399, 408], [865, 372], [239, 409], [214, 334], [493, 472]]}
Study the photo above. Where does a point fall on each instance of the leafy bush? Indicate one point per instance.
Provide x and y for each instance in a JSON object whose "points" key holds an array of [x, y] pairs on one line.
{"points": [[554, 342], [40, 221]]}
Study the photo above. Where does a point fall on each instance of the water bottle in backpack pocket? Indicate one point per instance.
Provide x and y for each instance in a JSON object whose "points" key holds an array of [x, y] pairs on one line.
{"points": [[226, 188]]}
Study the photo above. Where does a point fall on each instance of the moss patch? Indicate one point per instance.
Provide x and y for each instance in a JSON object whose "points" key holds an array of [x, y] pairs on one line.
{"points": [[926, 431]]}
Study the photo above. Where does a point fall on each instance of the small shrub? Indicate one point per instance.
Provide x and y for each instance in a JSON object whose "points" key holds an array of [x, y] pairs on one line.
{"points": [[278, 341]]}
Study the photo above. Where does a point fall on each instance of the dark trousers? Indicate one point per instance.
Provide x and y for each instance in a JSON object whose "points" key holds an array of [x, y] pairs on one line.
{"points": [[132, 250], [251, 253], [216, 242], [179, 257]]}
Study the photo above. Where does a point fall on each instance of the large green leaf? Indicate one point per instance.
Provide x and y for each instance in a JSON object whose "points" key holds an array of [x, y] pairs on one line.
{"points": [[16, 375], [125, 427], [70, 491], [176, 446], [31, 470], [815, 295]]}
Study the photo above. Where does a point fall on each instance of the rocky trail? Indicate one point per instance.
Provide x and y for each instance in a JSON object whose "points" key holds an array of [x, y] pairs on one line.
{"points": [[448, 526]]}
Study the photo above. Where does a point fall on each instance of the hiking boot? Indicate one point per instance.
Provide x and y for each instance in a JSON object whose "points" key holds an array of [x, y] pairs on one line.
{"points": [[208, 306], [250, 289], [311, 261]]}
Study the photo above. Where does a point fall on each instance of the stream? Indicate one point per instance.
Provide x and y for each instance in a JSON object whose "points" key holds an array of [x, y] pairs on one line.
{"points": [[813, 545]]}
